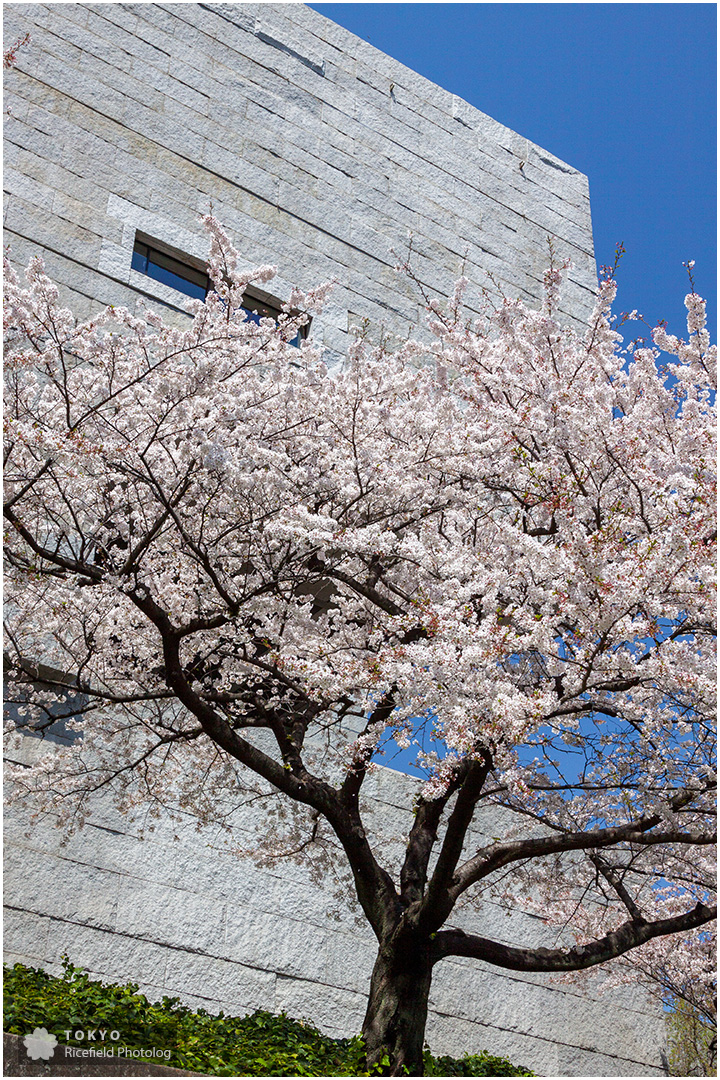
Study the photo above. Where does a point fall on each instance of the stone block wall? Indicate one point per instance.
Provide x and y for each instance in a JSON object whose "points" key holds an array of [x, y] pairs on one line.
{"points": [[173, 911], [320, 154]]}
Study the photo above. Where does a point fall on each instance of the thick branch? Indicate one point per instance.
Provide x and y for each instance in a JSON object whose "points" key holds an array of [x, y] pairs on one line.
{"points": [[30, 484], [421, 841], [376, 598], [438, 902], [628, 936], [352, 783], [495, 856], [53, 557], [375, 889], [614, 879]]}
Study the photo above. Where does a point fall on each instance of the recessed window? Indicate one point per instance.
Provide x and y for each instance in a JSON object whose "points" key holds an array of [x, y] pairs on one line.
{"points": [[160, 265], [156, 260], [266, 308], [51, 723], [257, 309]]}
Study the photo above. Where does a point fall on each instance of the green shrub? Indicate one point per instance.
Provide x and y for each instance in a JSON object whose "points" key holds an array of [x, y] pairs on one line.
{"points": [[471, 1065], [261, 1044]]}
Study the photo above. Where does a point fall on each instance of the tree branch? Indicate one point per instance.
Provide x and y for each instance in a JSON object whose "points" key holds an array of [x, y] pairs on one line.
{"points": [[438, 903], [614, 879], [632, 933], [53, 557], [497, 855], [374, 886], [383, 602]]}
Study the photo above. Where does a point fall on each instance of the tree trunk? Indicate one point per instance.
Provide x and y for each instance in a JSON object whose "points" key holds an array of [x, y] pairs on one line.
{"points": [[394, 1025]]}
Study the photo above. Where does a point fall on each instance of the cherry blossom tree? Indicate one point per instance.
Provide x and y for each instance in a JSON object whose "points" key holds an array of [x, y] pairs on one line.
{"points": [[259, 573]]}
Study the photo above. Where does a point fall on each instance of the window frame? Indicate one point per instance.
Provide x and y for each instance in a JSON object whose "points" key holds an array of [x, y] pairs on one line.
{"points": [[195, 269], [54, 681], [256, 302]]}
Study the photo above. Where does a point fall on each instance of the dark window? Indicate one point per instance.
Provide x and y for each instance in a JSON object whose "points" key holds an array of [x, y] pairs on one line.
{"points": [[51, 724], [258, 309], [182, 272], [166, 268]]}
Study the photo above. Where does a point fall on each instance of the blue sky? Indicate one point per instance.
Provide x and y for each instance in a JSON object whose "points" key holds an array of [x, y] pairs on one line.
{"points": [[624, 92]]}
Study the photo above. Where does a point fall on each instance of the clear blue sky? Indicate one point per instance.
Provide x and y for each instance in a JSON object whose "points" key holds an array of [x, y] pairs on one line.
{"points": [[624, 92]]}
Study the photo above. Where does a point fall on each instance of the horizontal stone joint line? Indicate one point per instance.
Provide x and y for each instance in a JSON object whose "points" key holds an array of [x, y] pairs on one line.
{"points": [[187, 949], [543, 1038], [100, 273], [566, 990], [9, 760]]}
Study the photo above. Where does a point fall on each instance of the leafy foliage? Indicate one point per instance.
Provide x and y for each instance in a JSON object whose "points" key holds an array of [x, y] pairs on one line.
{"points": [[692, 1037], [260, 1044], [471, 1065]]}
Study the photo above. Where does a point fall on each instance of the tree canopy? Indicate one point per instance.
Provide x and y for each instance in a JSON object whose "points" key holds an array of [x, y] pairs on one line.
{"points": [[257, 572]]}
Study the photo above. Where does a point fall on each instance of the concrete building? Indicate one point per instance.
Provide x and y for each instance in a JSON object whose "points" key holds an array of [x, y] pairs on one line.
{"points": [[324, 156], [319, 154]]}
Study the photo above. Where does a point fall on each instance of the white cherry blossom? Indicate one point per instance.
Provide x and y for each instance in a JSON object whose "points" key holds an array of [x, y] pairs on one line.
{"points": [[256, 572]]}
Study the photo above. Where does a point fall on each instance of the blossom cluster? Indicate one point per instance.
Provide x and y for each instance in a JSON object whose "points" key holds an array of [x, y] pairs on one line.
{"points": [[500, 536]]}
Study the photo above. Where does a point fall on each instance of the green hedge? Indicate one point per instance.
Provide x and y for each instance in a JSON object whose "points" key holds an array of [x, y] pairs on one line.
{"points": [[258, 1045]]}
